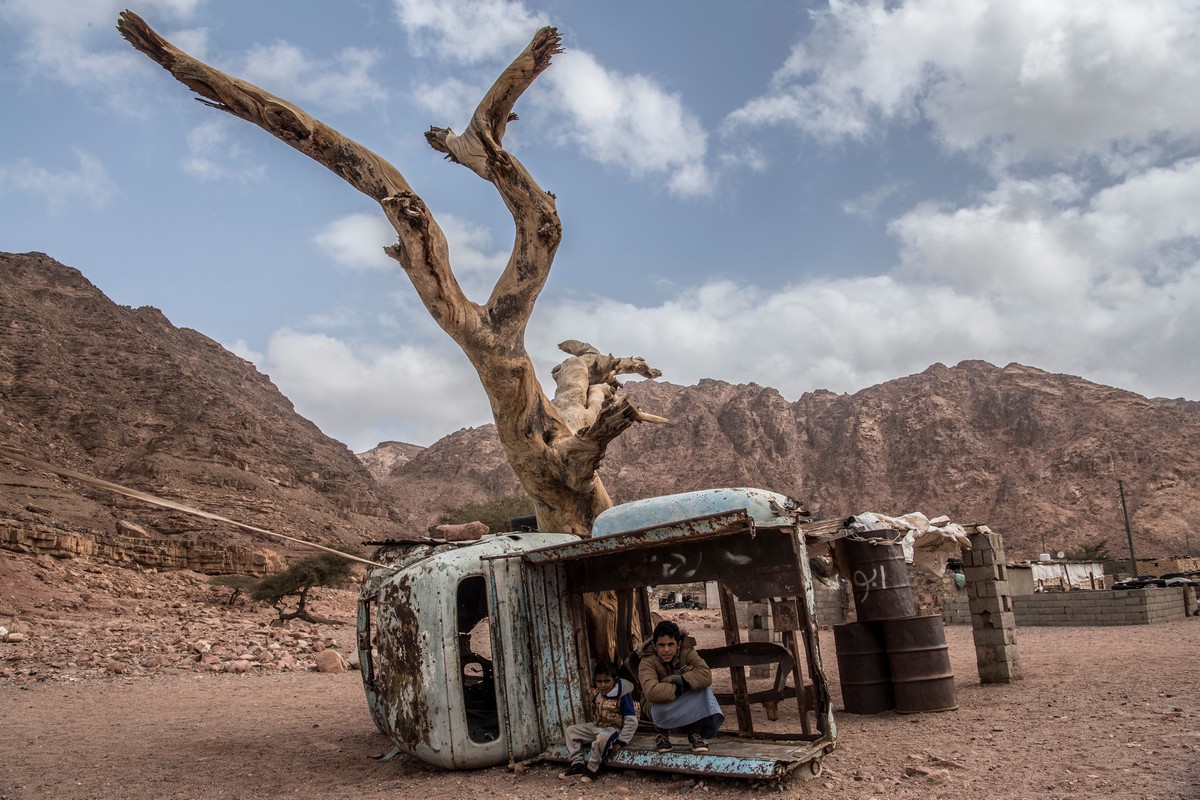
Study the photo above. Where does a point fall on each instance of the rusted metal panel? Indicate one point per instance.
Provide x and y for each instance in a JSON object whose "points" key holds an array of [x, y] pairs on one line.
{"points": [[511, 658], [768, 556], [556, 661], [728, 757], [692, 529]]}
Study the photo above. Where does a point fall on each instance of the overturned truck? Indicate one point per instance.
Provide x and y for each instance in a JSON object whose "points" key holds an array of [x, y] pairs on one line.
{"points": [[478, 654]]}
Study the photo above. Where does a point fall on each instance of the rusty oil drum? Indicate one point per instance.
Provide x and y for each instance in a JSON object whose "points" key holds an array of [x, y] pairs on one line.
{"points": [[919, 660], [879, 579], [863, 671]]}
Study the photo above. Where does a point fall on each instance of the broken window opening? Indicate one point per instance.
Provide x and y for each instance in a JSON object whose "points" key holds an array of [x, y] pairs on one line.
{"points": [[475, 664]]}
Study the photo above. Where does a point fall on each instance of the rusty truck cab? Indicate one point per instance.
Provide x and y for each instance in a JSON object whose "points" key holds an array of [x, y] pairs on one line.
{"points": [[479, 655], [443, 650]]}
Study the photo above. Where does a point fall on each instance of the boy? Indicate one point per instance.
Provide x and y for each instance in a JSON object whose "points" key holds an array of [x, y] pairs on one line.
{"points": [[615, 720], [677, 683]]}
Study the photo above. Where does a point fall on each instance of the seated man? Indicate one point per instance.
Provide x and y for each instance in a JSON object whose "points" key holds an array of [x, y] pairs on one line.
{"points": [[677, 685]]}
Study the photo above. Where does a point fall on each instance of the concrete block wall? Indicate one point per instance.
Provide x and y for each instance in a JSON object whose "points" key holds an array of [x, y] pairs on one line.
{"points": [[832, 603], [1105, 607], [956, 611]]}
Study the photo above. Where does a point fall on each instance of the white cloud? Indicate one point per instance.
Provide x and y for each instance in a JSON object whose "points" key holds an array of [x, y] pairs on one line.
{"points": [[341, 83], [476, 264], [628, 121], [213, 156], [356, 241], [89, 183], [1031, 239], [362, 397], [867, 205], [75, 43], [468, 31], [242, 349], [1046, 77], [845, 335], [1060, 264], [453, 101], [334, 319]]}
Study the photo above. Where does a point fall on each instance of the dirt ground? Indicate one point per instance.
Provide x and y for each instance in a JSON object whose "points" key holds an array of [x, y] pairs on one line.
{"points": [[94, 706]]}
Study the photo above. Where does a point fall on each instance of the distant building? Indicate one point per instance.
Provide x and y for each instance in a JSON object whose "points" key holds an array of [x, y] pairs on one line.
{"points": [[1033, 577]]}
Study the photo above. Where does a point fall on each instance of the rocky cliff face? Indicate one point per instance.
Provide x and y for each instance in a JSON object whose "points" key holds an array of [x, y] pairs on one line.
{"points": [[385, 457], [1036, 456], [124, 395]]}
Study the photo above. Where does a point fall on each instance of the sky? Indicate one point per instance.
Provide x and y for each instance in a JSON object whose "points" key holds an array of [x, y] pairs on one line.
{"points": [[802, 195]]}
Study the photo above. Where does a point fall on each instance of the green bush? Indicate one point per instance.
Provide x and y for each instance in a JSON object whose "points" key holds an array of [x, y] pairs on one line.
{"points": [[495, 512], [1095, 550]]}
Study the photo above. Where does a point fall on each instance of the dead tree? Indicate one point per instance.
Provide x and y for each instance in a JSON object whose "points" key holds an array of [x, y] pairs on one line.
{"points": [[554, 446]]}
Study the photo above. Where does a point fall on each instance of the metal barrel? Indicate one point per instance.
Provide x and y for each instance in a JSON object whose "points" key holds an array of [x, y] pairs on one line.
{"points": [[920, 664], [879, 580], [863, 668]]}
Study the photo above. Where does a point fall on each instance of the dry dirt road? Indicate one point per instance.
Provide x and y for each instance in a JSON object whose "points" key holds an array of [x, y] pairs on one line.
{"points": [[1101, 712]]}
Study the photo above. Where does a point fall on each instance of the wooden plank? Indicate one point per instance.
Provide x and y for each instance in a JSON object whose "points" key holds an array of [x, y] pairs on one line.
{"points": [[737, 675], [802, 699]]}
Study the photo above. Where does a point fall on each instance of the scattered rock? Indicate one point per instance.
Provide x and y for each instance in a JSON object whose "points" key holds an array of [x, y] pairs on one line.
{"points": [[331, 661]]}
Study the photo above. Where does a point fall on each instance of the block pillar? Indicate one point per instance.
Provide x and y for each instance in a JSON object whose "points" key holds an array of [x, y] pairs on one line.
{"points": [[992, 622]]}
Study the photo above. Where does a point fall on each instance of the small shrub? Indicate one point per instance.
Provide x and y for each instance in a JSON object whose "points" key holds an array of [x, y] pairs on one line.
{"points": [[1095, 550], [326, 569], [495, 512], [238, 584]]}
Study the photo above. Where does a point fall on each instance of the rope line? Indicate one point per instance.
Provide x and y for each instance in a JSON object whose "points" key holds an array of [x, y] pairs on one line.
{"points": [[162, 501]]}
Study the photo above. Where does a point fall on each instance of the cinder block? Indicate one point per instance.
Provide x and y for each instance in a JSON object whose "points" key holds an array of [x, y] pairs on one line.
{"points": [[993, 637], [999, 673], [989, 572], [984, 605]]}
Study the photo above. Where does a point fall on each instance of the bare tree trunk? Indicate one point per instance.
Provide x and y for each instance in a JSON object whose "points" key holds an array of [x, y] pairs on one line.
{"points": [[555, 447]]}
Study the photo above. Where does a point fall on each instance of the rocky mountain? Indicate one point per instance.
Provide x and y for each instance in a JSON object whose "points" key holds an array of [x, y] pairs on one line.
{"points": [[385, 457], [1035, 455], [124, 395]]}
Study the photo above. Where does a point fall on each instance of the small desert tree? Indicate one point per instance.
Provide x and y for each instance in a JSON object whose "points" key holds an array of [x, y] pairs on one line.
{"points": [[237, 584], [554, 445], [1095, 550], [326, 569]]}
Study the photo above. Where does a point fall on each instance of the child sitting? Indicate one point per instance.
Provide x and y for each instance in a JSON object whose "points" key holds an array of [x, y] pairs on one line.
{"points": [[677, 684], [615, 720]]}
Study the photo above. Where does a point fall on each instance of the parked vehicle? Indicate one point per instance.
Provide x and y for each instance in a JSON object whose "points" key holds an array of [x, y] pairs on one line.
{"points": [[1140, 582]]}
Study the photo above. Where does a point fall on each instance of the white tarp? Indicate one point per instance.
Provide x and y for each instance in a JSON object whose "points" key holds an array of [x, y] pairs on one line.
{"points": [[927, 543]]}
